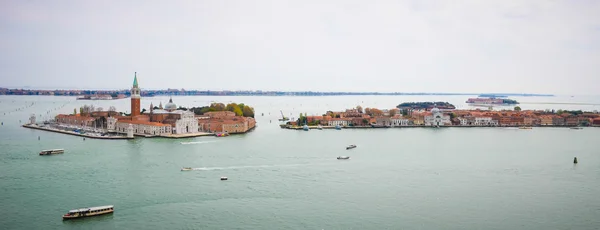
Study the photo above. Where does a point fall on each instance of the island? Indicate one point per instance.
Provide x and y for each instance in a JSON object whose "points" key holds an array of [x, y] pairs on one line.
{"points": [[425, 105], [157, 121], [443, 117]]}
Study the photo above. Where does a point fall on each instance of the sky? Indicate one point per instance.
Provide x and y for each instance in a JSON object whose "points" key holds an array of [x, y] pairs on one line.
{"points": [[464, 46]]}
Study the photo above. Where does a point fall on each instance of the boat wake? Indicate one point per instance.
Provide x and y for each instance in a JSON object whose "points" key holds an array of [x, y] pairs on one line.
{"points": [[247, 166], [196, 142]]}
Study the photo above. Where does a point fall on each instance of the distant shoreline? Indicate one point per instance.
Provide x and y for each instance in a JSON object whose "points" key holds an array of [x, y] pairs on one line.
{"points": [[183, 92]]}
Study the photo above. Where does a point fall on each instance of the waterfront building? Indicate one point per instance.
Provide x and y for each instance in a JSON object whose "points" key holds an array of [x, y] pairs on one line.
{"points": [[397, 120], [339, 121], [546, 120], [558, 120], [437, 118], [225, 121], [75, 120], [383, 121]]}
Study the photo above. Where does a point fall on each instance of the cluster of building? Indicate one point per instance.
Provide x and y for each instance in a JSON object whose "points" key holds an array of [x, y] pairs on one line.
{"points": [[448, 117], [164, 121]]}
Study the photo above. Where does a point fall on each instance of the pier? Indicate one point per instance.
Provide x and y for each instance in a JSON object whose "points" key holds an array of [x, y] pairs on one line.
{"points": [[33, 126]]}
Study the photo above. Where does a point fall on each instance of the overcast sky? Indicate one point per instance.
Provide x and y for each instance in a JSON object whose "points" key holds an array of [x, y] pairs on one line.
{"points": [[515, 46]]}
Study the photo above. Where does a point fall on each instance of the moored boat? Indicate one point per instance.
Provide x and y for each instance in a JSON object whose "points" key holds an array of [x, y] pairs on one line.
{"points": [[87, 212], [51, 151], [343, 157], [319, 127], [305, 128], [338, 127], [222, 134], [351, 147]]}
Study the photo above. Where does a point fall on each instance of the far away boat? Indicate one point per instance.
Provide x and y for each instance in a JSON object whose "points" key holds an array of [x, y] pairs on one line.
{"points": [[51, 152], [319, 127], [343, 157], [186, 169], [338, 127], [350, 147], [87, 212]]}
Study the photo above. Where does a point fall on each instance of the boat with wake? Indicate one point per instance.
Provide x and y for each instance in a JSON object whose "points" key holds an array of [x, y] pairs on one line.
{"points": [[186, 169], [51, 152]]}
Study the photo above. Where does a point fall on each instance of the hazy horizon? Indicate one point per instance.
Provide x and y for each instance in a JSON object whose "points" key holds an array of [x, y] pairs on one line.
{"points": [[538, 47]]}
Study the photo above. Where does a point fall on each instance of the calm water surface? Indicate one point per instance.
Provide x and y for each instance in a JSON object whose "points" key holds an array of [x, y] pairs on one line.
{"points": [[452, 178]]}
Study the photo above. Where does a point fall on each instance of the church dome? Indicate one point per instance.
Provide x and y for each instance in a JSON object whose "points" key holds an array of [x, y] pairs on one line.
{"points": [[435, 110], [170, 106]]}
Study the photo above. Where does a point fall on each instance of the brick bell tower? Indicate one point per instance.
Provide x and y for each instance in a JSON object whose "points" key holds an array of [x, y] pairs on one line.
{"points": [[135, 97]]}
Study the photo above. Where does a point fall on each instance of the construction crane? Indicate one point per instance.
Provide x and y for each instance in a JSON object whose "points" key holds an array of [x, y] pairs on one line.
{"points": [[283, 118]]}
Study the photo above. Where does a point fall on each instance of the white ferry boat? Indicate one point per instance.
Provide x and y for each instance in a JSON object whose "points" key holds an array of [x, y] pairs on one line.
{"points": [[51, 151], [86, 212]]}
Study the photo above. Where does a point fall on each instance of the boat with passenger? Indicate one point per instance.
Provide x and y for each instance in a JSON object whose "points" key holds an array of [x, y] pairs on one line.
{"points": [[343, 157], [350, 147], [87, 212], [51, 151], [186, 169]]}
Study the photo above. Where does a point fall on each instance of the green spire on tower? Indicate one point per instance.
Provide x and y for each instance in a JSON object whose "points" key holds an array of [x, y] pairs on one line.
{"points": [[135, 84]]}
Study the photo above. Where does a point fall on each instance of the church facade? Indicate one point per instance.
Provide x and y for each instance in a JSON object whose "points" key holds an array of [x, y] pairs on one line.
{"points": [[155, 123]]}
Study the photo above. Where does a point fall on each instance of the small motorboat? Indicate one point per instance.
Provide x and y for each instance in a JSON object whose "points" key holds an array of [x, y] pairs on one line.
{"points": [[576, 128], [319, 127], [305, 128], [343, 157], [51, 151], [186, 169], [350, 147], [338, 127], [223, 178], [524, 127]]}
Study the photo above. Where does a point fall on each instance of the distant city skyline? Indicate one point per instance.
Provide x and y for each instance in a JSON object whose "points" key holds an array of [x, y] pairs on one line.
{"points": [[537, 47]]}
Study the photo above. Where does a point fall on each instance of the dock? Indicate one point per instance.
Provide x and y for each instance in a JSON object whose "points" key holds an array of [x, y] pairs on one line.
{"points": [[33, 126]]}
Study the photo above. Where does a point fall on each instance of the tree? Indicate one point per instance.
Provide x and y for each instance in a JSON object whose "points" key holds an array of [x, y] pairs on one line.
{"points": [[405, 112], [359, 108], [365, 121], [368, 111], [517, 108], [392, 112], [218, 106], [248, 111], [238, 111], [143, 110], [75, 111], [376, 112], [99, 109], [113, 109]]}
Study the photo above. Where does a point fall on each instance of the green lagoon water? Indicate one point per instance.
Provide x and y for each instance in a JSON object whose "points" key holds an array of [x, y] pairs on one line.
{"points": [[450, 178]]}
